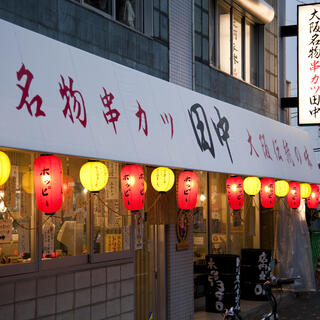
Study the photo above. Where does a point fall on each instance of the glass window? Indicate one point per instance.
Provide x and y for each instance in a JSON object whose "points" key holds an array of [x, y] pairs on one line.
{"points": [[161, 20], [218, 212], [200, 232], [103, 5], [111, 219], [224, 38], [251, 53], [201, 31], [236, 46], [129, 12], [17, 211], [65, 233]]}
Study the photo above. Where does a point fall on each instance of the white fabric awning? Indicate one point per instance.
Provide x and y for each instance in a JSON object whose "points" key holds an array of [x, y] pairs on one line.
{"points": [[95, 108]]}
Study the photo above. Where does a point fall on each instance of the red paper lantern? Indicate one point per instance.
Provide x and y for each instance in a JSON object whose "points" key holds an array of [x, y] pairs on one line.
{"points": [[132, 187], [47, 177], [235, 192], [293, 195], [313, 199], [187, 190], [267, 193]]}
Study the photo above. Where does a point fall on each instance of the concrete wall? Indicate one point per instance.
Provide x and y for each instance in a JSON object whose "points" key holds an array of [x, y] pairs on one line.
{"points": [[180, 303], [102, 293], [222, 86]]}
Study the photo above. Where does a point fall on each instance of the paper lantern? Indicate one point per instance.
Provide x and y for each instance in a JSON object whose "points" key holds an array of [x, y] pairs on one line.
{"points": [[235, 193], [47, 177], [187, 190], [132, 187], [267, 193], [94, 176], [313, 199], [294, 195], [162, 179], [5, 168], [251, 185], [305, 190], [281, 188], [27, 182]]}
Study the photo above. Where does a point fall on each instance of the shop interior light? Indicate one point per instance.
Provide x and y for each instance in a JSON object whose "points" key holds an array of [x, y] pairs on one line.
{"points": [[5, 168], [281, 188], [294, 196], [251, 185], [234, 186], [162, 179], [313, 199], [187, 190], [132, 187], [305, 190], [47, 178], [27, 182], [267, 193], [202, 197]]}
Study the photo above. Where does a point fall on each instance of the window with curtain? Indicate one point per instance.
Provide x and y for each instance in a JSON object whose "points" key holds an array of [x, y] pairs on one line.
{"points": [[231, 36]]}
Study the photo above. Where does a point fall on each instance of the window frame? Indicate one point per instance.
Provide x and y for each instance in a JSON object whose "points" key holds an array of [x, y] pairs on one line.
{"points": [[214, 42], [37, 264]]}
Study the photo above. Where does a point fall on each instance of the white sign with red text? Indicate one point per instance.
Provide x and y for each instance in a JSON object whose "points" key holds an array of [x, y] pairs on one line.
{"points": [[309, 64], [60, 99]]}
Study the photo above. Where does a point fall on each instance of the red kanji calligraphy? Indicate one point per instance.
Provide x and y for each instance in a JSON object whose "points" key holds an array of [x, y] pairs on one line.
{"points": [[252, 148], [142, 114], [307, 158], [112, 115], [25, 93], [276, 150], [78, 106], [298, 155], [315, 65], [287, 152], [264, 147], [168, 120]]}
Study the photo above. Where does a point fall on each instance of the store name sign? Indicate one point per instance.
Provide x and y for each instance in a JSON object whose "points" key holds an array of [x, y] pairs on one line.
{"points": [[309, 64], [64, 100]]}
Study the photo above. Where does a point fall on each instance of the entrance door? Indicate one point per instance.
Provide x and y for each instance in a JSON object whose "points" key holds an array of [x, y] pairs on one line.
{"points": [[151, 275]]}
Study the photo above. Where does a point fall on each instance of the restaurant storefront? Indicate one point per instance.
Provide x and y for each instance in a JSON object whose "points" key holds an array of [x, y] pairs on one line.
{"points": [[94, 255]]}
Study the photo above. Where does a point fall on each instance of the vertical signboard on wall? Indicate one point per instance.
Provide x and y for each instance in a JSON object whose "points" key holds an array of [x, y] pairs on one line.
{"points": [[309, 64]]}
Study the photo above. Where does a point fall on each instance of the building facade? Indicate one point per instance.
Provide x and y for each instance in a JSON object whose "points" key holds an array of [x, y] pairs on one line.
{"points": [[94, 258]]}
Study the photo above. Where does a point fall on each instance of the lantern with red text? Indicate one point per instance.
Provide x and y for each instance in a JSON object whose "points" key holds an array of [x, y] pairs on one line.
{"points": [[267, 193], [47, 178], [187, 190], [132, 187], [235, 193], [293, 196], [313, 199]]}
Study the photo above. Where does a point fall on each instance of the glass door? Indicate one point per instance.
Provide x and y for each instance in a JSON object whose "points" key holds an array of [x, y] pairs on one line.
{"points": [[150, 272]]}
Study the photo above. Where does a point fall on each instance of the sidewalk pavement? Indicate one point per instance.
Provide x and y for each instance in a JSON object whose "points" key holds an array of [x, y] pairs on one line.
{"points": [[291, 306]]}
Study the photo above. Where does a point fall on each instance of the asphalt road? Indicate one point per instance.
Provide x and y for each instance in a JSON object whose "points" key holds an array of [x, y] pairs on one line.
{"points": [[302, 306]]}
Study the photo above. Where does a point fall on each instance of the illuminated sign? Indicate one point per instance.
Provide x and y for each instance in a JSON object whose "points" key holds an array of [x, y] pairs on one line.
{"points": [[309, 64]]}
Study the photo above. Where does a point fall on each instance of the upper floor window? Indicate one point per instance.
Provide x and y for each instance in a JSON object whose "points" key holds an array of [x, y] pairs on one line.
{"points": [[226, 39], [129, 12], [149, 17]]}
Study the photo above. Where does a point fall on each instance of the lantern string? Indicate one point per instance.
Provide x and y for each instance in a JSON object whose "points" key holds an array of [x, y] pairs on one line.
{"points": [[20, 224], [126, 215], [109, 208]]}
